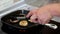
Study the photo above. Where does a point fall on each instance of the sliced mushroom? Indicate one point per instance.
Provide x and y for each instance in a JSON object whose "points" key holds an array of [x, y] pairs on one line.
{"points": [[14, 21], [23, 23]]}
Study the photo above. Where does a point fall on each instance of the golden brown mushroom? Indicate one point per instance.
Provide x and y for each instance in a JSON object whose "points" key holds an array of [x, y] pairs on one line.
{"points": [[23, 23]]}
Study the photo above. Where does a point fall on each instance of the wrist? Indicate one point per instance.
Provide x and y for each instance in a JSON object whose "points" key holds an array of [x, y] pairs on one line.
{"points": [[55, 9]]}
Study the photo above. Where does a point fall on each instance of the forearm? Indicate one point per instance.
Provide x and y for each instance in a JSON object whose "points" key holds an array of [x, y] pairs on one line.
{"points": [[55, 9]]}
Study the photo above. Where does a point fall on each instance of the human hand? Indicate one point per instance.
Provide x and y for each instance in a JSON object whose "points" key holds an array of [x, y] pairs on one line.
{"points": [[41, 15]]}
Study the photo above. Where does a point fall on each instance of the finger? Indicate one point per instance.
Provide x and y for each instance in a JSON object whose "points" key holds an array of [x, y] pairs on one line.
{"points": [[33, 18], [29, 14], [42, 21], [39, 21], [39, 18], [45, 21]]}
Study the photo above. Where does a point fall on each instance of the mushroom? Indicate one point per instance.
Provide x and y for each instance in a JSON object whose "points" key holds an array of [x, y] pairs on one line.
{"points": [[14, 21], [23, 23]]}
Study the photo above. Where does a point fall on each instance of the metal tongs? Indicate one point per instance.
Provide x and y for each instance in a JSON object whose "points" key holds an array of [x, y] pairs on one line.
{"points": [[53, 26]]}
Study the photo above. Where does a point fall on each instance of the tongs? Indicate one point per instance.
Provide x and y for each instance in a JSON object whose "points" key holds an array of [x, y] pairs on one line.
{"points": [[53, 26]]}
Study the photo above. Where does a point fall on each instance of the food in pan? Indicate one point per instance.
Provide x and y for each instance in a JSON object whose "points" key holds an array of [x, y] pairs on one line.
{"points": [[23, 23], [14, 21], [22, 15], [29, 20]]}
